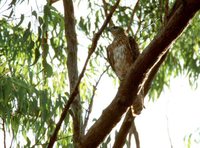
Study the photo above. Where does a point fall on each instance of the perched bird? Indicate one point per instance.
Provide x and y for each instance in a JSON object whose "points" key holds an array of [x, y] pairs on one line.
{"points": [[121, 54]]}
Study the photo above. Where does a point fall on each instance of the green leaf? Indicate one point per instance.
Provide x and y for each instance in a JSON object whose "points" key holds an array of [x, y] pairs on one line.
{"points": [[37, 56], [48, 70], [7, 89], [21, 20], [15, 124], [31, 46], [26, 34], [34, 13], [40, 20]]}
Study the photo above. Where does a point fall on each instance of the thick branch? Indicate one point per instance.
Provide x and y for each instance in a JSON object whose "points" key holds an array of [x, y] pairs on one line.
{"points": [[133, 131], [75, 91], [126, 125], [143, 65], [121, 136]]}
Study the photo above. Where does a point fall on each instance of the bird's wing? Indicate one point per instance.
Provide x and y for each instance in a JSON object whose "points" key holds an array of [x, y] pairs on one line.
{"points": [[110, 56], [134, 47]]}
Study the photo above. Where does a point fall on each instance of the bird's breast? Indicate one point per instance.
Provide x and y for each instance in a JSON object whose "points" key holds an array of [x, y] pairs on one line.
{"points": [[119, 53], [122, 60]]}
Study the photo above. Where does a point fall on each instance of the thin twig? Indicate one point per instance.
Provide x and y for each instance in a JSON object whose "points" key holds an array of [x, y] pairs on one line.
{"points": [[11, 143], [89, 110], [139, 24], [4, 133], [43, 144], [75, 91], [53, 1], [105, 7], [132, 16], [168, 132]]}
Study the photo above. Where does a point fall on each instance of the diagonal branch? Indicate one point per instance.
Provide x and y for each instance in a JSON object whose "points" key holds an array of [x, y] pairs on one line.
{"points": [[75, 91], [124, 129], [121, 136], [132, 16], [146, 89], [133, 130], [105, 8], [138, 72], [129, 116], [92, 98], [140, 21]]}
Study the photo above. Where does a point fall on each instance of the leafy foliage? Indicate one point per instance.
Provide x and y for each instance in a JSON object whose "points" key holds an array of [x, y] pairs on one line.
{"points": [[33, 73]]}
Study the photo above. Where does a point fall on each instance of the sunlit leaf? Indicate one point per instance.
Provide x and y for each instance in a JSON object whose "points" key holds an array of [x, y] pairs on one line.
{"points": [[21, 20], [34, 13], [48, 70], [37, 56]]}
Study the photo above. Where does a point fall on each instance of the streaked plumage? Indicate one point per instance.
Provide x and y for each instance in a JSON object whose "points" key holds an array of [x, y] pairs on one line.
{"points": [[122, 53]]}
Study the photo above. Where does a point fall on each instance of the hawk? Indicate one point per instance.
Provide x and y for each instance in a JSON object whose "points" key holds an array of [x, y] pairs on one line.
{"points": [[121, 54]]}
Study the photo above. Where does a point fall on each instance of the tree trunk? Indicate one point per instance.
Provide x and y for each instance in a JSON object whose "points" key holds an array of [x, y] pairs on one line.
{"points": [[70, 34], [139, 73]]}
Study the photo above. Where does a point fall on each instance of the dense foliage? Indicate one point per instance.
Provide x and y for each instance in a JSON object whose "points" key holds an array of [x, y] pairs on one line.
{"points": [[33, 53]]}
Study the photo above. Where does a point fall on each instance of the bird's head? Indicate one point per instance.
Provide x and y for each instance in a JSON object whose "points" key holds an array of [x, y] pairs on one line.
{"points": [[116, 31]]}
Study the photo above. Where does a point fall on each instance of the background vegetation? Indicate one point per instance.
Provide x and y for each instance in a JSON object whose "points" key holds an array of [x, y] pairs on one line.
{"points": [[37, 53]]}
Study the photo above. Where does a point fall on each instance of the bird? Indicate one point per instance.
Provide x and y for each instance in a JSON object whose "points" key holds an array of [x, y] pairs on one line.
{"points": [[121, 54]]}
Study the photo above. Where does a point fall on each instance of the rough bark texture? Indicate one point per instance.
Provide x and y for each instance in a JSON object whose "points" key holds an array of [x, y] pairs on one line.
{"points": [[75, 91], [133, 131], [138, 72], [70, 34], [124, 130], [129, 120]]}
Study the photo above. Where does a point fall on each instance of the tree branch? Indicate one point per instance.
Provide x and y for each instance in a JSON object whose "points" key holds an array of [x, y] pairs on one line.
{"points": [[72, 66], [4, 133], [161, 10], [133, 130], [129, 87], [124, 129], [91, 103], [166, 11], [129, 117], [132, 16], [168, 132], [105, 8], [139, 24], [75, 91], [52, 1]]}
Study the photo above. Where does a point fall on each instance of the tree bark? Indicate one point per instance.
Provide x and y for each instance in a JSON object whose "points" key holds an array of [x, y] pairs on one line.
{"points": [[129, 120], [70, 34], [138, 73], [126, 125], [75, 91]]}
